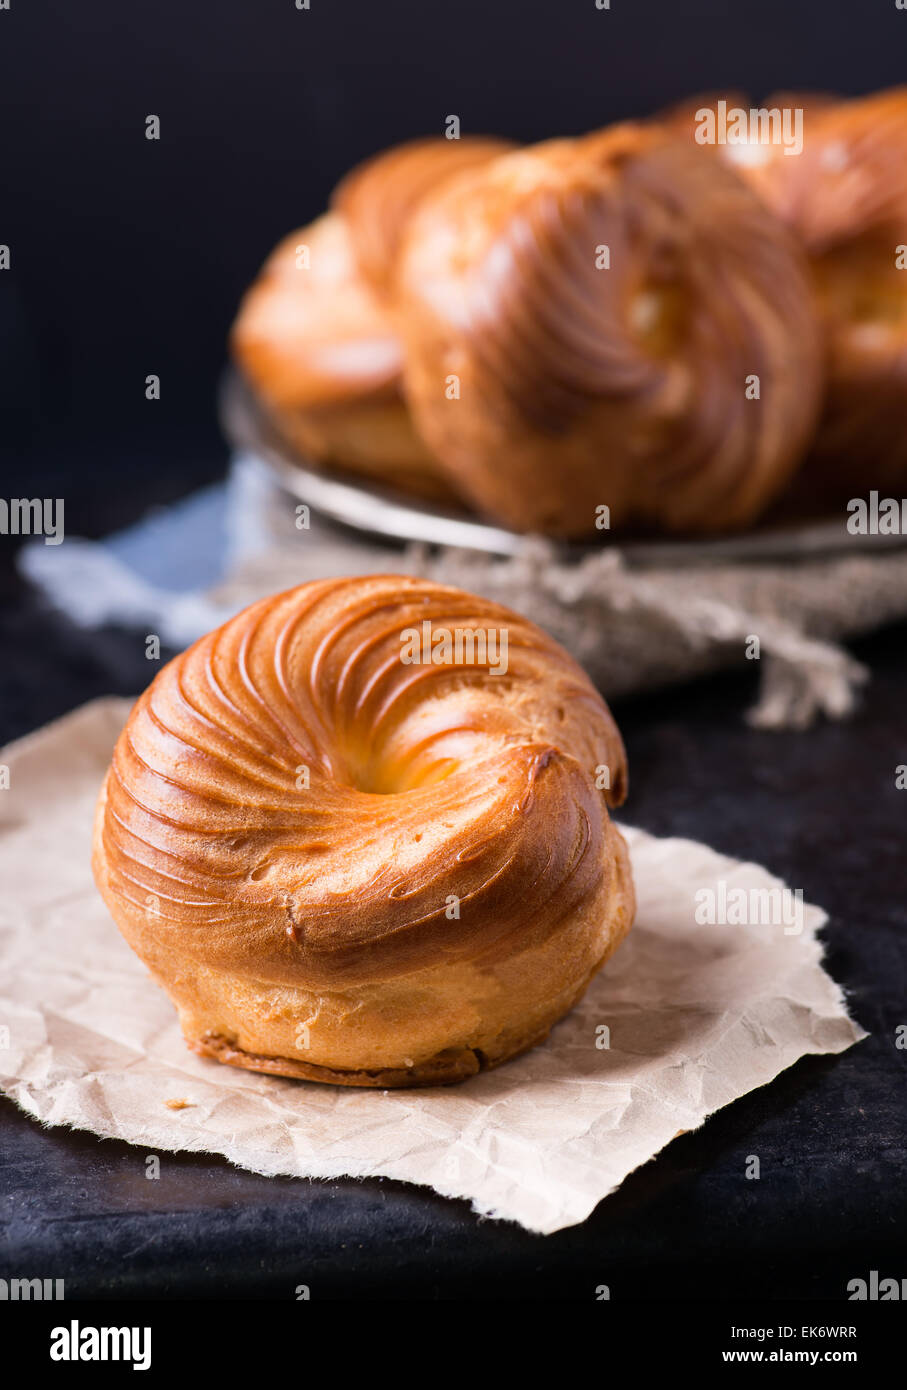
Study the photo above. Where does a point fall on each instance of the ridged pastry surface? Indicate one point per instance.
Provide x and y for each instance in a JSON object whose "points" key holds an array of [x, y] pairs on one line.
{"points": [[578, 383], [292, 808]]}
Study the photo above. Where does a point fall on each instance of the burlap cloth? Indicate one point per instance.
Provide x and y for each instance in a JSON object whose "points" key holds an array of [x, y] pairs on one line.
{"points": [[631, 629]]}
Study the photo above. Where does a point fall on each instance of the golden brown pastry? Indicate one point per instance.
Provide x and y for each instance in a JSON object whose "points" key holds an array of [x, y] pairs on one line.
{"points": [[583, 324], [845, 197], [379, 197], [315, 339], [324, 360], [347, 863], [850, 178]]}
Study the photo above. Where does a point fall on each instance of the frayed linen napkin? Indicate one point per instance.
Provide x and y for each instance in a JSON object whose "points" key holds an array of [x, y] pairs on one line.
{"points": [[188, 568], [694, 1010]]}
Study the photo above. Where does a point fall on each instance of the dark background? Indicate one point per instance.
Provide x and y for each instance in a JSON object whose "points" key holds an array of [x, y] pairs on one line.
{"points": [[128, 257]]}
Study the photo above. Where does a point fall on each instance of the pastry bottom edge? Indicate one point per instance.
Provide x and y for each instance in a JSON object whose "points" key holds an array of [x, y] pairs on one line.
{"points": [[444, 1069]]}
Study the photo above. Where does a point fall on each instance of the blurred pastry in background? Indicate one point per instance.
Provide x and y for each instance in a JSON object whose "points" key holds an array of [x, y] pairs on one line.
{"points": [[846, 198], [378, 198], [844, 194], [322, 357], [615, 321], [600, 307], [314, 339]]}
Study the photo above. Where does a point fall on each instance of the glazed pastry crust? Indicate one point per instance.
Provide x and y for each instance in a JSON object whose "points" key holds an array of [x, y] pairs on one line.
{"points": [[308, 930]]}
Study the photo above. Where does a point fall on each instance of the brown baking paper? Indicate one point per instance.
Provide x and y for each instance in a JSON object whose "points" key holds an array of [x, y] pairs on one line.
{"points": [[695, 1015]]}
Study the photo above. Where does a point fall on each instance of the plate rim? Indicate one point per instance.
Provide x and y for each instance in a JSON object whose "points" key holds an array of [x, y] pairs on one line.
{"points": [[375, 510]]}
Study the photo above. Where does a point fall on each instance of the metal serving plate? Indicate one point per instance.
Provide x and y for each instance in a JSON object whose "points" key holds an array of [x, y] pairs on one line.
{"points": [[384, 512]]}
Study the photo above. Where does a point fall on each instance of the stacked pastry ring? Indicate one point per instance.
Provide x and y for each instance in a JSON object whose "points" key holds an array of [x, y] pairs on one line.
{"points": [[315, 336], [844, 196], [349, 861]]}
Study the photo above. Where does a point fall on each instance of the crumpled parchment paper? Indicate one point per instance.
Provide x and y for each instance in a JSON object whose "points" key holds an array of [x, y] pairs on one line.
{"points": [[694, 1015]]}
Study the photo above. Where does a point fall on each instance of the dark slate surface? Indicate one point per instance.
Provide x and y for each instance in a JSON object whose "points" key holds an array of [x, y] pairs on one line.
{"points": [[819, 808]]}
